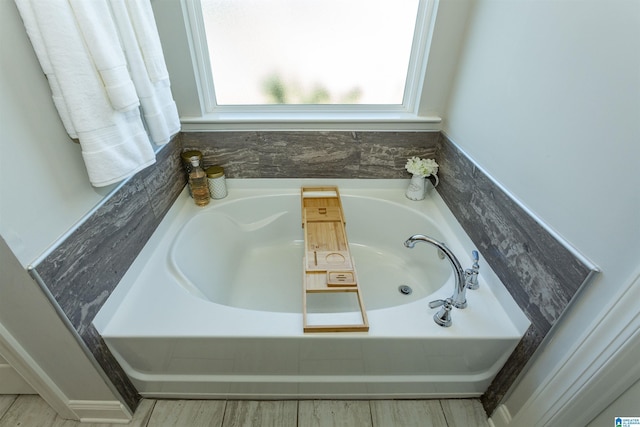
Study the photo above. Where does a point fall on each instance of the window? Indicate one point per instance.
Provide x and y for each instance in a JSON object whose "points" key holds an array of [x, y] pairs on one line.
{"points": [[292, 56]]}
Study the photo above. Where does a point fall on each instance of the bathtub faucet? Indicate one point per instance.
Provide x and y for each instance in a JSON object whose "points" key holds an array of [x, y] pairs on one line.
{"points": [[459, 298]]}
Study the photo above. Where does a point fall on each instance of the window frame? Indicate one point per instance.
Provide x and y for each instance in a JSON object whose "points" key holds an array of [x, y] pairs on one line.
{"points": [[327, 113]]}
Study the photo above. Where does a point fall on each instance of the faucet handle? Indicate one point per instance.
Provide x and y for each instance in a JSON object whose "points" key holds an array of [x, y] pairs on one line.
{"points": [[437, 303], [443, 316]]}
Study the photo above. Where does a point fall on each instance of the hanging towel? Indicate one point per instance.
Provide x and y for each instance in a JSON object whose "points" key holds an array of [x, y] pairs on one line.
{"points": [[158, 107], [101, 37], [130, 153], [114, 144], [144, 26], [31, 25], [94, 87]]}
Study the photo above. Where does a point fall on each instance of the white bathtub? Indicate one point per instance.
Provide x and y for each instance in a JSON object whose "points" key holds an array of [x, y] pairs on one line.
{"points": [[212, 306]]}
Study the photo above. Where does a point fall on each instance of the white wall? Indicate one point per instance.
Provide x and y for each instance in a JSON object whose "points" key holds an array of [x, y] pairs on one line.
{"points": [[547, 100], [44, 190], [448, 36]]}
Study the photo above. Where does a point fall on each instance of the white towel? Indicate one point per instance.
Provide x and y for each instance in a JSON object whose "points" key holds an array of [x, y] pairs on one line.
{"points": [[130, 152], [101, 37], [144, 25], [114, 144], [31, 25], [159, 110]]}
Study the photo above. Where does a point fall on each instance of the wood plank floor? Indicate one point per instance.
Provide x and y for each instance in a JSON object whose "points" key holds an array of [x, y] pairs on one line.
{"points": [[32, 411]]}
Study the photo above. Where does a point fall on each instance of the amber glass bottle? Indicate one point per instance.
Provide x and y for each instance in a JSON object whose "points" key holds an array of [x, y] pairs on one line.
{"points": [[198, 183]]}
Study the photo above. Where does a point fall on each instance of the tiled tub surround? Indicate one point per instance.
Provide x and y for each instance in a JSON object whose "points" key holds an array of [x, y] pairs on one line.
{"points": [[541, 274], [81, 271]]}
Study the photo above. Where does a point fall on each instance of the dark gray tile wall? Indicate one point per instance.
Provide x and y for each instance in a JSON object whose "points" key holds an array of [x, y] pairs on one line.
{"points": [[539, 272], [312, 154]]}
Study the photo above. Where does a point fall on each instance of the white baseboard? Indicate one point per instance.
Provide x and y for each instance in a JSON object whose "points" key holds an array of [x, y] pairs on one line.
{"points": [[100, 411]]}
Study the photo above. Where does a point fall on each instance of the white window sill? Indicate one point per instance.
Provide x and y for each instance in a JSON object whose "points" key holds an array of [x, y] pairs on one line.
{"points": [[385, 121]]}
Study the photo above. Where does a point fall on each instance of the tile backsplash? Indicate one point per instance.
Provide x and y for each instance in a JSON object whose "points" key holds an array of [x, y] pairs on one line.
{"points": [[312, 154], [81, 272]]}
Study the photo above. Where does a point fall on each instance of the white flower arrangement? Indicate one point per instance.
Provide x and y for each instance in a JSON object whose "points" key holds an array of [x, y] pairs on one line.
{"points": [[421, 167]]}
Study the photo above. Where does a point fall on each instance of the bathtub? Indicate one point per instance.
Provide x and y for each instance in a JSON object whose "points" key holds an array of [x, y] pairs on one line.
{"points": [[212, 306]]}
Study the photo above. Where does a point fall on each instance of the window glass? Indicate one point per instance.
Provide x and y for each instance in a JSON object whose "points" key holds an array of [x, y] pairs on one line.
{"points": [[309, 51]]}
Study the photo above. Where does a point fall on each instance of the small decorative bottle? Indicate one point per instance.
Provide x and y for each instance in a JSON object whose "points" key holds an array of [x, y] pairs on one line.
{"points": [[186, 163], [198, 183]]}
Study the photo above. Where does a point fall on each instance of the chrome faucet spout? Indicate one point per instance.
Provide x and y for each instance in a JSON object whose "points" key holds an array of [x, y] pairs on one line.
{"points": [[459, 298]]}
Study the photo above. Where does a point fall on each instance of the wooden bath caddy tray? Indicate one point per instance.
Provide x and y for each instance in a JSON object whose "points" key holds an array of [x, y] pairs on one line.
{"points": [[328, 265]]}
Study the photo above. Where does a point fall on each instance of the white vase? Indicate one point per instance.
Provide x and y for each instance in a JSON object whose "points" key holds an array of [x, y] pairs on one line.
{"points": [[417, 188]]}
